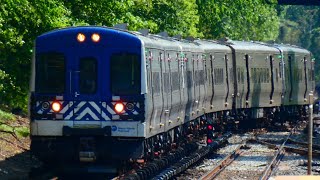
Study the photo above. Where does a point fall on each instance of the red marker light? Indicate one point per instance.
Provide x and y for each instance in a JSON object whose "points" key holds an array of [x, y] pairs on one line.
{"points": [[56, 106], [118, 107], [210, 127], [209, 141]]}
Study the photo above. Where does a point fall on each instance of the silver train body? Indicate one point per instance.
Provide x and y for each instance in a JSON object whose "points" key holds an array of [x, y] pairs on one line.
{"points": [[180, 82]]}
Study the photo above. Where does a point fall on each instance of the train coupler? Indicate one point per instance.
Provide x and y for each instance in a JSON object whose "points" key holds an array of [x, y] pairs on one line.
{"points": [[86, 150]]}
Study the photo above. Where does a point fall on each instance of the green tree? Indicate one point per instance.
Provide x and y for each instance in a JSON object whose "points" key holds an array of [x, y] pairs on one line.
{"points": [[20, 22], [300, 25], [238, 19], [175, 17]]}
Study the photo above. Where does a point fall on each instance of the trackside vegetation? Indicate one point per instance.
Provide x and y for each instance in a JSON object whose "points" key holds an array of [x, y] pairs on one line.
{"points": [[8, 125]]}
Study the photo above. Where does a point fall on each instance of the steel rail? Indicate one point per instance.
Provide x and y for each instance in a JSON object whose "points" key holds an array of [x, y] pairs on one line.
{"points": [[223, 163], [314, 146], [300, 151], [276, 158]]}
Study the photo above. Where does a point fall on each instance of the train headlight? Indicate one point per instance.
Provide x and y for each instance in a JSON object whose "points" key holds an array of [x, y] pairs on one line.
{"points": [[56, 106], [81, 37], [95, 37], [119, 107]]}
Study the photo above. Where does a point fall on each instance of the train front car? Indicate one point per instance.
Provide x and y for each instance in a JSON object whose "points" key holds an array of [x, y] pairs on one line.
{"points": [[86, 99]]}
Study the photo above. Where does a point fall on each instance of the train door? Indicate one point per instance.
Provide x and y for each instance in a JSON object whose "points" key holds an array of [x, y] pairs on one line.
{"points": [[183, 84], [167, 85], [226, 59], [86, 88], [202, 83], [305, 76], [189, 86], [197, 69], [248, 85], [290, 59], [272, 77], [211, 72], [156, 86], [164, 88]]}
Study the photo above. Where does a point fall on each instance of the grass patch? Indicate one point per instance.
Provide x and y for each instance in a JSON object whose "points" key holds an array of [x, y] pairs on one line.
{"points": [[5, 117], [22, 131]]}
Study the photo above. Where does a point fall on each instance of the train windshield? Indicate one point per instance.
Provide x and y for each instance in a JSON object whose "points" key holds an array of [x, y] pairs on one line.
{"points": [[88, 75], [50, 73], [125, 74]]}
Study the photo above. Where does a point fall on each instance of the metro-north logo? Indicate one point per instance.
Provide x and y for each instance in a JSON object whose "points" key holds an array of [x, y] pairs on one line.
{"points": [[114, 128]]}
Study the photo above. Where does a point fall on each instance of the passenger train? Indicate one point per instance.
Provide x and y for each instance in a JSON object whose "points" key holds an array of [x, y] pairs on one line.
{"points": [[101, 94]]}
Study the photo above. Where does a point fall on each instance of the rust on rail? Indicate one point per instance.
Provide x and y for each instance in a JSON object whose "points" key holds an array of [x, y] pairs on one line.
{"points": [[276, 158], [223, 163]]}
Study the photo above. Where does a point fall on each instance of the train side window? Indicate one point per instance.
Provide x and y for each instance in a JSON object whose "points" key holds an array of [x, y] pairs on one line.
{"points": [[242, 75], [125, 74], [156, 82], [189, 79], [88, 75], [258, 75], [201, 77], [252, 75], [277, 79], [265, 75], [280, 70], [230, 75], [268, 76], [166, 82], [175, 81], [238, 75], [50, 73]]}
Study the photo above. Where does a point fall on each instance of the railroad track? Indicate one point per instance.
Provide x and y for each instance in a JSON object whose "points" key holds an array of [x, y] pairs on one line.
{"points": [[223, 169], [234, 164], [223, 163]]}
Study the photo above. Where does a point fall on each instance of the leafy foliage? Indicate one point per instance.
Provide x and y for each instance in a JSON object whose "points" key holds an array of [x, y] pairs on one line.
{"points": [[301, 26], [238, 19], [20, 22], [175, 17]]}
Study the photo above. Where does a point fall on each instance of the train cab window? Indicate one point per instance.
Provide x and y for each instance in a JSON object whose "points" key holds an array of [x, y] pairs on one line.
{"points": [[125, 74], [88, 75], [50, 73]]}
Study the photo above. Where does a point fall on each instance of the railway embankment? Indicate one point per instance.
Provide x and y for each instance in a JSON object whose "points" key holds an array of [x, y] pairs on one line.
{"points": [[15, 159]]}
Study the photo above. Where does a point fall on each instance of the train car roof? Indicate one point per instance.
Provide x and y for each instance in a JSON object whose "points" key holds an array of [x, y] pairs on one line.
{"points": [[251, 46], [157, 41], [169, 42], [210, 45], [291, 48]]}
